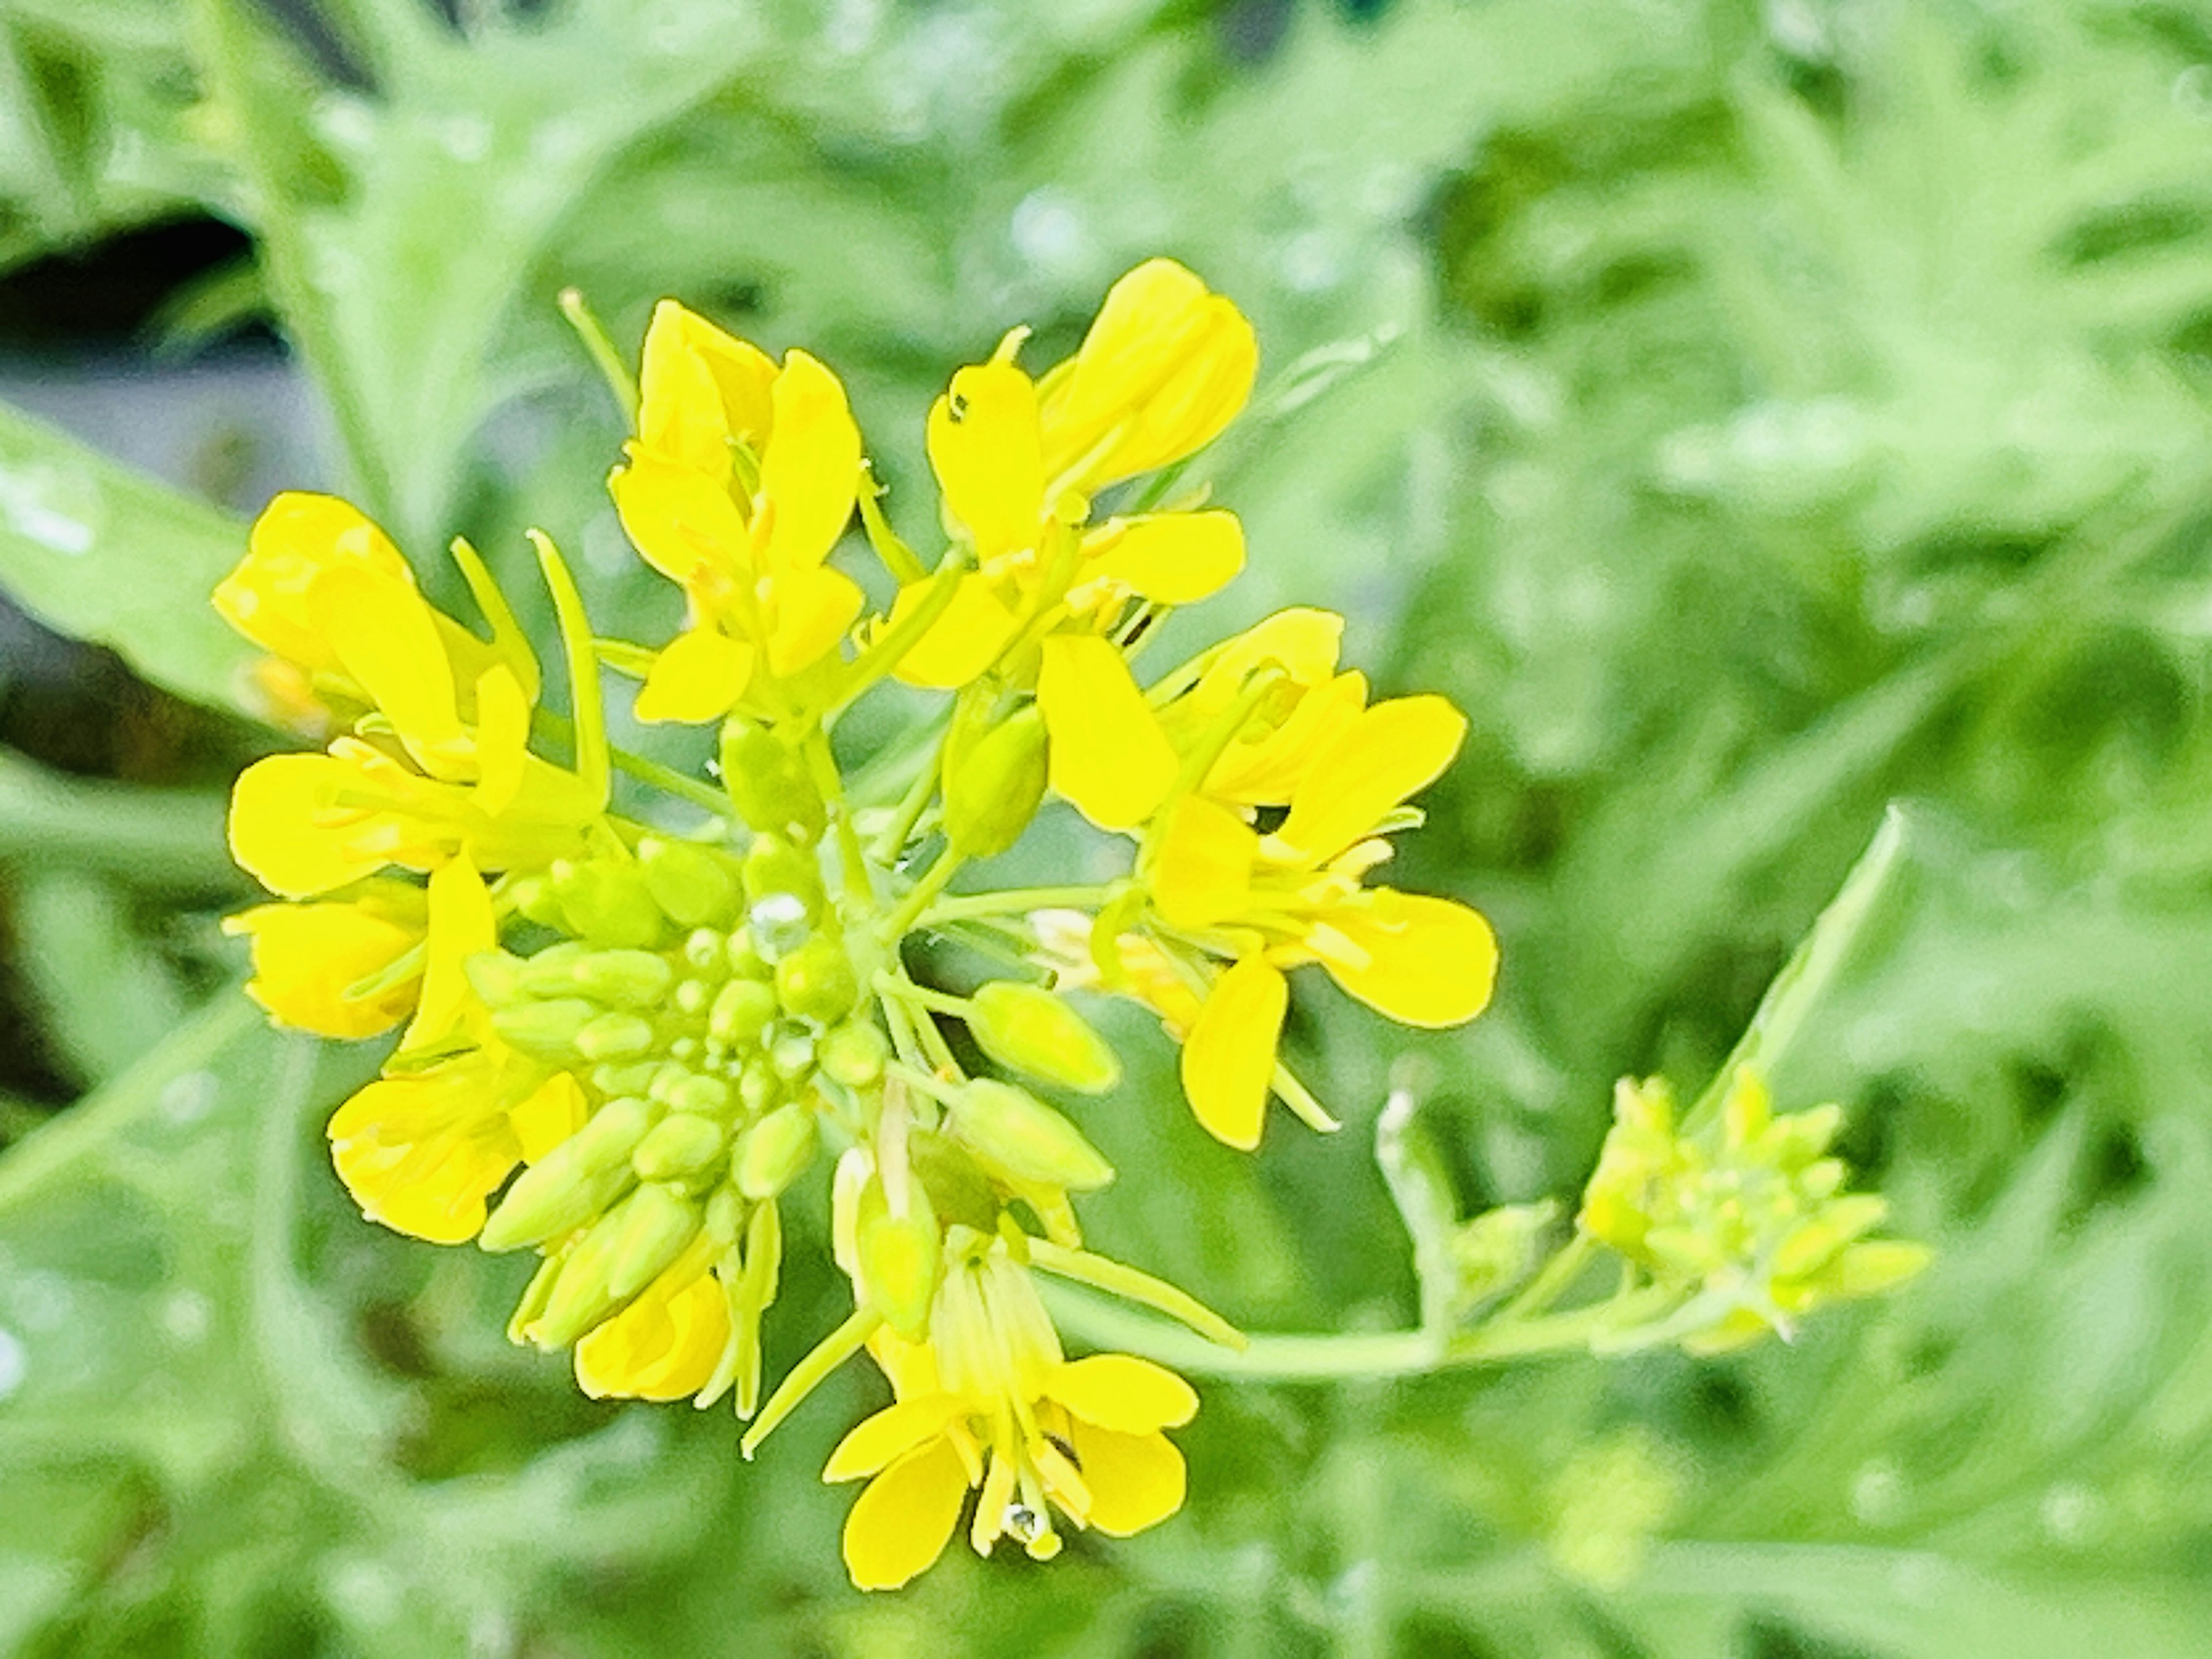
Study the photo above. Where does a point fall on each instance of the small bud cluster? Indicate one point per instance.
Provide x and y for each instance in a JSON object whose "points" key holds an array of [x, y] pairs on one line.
{"points": [[1750, 1220]]}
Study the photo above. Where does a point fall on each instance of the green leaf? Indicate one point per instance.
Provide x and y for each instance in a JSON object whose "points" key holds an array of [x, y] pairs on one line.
{"points": [[95, 550]]}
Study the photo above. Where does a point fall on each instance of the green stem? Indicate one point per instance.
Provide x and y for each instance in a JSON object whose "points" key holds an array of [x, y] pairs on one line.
{"points": [[1016, 901], [919, 996], [1325, 1358], [821, 766], [1548, 1286], [664, 778], [925, 890], [899, 830], [602, 352]]}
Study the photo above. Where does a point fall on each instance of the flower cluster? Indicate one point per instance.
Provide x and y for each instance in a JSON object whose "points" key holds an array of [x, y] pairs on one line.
{"points": [[630, 1032]]}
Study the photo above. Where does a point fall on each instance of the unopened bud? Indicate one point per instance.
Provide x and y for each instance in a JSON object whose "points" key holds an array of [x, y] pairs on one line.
{"points": [[816, 980], [549, 973], [741, 1008], [536, 901], [693, 884], [774, 865], [681, 1145], [547, 1030], [776, 1150], [725, 1216], [623, 979], [994, 786], [656, 1224], [759, 1085], [853, 1053], [701, 1097], [572, 1183], [1013, 1131], [608, 904], [494, 976], [959, 1189], [1027, 1029], [768, 783], [614, 1036], [902, 1258]]}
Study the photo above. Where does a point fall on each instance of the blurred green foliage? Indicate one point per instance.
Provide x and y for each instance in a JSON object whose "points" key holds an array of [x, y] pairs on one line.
{"points": [[1751, 415]]}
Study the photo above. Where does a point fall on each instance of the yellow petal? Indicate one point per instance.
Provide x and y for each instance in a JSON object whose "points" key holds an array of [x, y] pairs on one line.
{"points": [[811, 470], [1228, 1058], [1202, 873], [306, 956], [275, 835], [462, 924], [985, 447], [1123, 1392], [297, 537], [409, 1168], [385, 636], [1303, 641], [697, 678], [901, 1524], [1164, 368], [1176, 558], [1392, 751], [503, 739], [814, 606], [680, 416], [1431, 962], [1108, 755], [665, 1345], [961, 643], [889, 1435], [682, 522], [1136, 1480], [1266, 771], [548, 1116]]}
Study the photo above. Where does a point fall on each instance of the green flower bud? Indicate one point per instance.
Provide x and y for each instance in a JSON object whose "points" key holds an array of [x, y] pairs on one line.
{"points": [[853, 1053], [536, 901], [581, 1296], [1012, 1130], [703, 952], [693, 884], [994, 786], [1027, 1029], [614, 1036], [701, 1097], [616, 1081], [741, 1009], [623, 979], [572, 1182], [494, 976], [777, 1151], [759, 1087], [535, 1295], [681, 1145], [548, 972], [725, 1216], [547, 1030], [608, 904], [768, 784], [656, 1223], [773, 866], [745, 958], [959, 1189], [816, 980], [691, 996], [902, 1259]]}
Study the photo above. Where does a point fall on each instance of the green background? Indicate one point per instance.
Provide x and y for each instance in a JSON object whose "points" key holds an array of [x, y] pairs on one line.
{"points": [[1752, 415]]}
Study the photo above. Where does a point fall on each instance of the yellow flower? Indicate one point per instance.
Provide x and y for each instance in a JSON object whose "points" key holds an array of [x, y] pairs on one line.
{"points": [[739, 483], [668, 1342], [440, 765], [1271, 901], [1277, 728], [421, 1149], [989, 1402], [308, 958], [280, 598], [1164, 368]]}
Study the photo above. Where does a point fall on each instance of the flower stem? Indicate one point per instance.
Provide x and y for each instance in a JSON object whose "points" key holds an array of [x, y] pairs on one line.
{"points": [[1014, 901], [925, 890]]}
